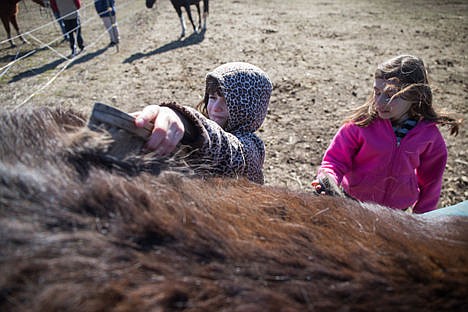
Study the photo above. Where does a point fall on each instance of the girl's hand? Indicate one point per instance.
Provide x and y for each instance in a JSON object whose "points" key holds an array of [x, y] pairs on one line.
{"points": [[325, 184], [168, 128], [317, 187]]}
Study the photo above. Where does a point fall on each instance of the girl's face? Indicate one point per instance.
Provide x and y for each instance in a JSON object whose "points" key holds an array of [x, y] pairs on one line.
{"points": [[217, 109], [396, 109]]}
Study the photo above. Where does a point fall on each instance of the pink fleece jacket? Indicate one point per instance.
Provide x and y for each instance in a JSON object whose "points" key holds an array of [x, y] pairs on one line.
{"points": [[371, 167]]}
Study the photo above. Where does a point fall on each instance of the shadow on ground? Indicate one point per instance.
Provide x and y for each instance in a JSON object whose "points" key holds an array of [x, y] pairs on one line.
{"points": [[194, 38], [52, 65]]}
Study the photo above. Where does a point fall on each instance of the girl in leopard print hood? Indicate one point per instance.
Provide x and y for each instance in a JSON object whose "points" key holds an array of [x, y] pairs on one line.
{"points": [[221, 132]]}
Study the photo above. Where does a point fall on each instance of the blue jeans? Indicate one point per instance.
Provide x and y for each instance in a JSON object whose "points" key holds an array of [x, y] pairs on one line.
{"points": [[61, 24]]}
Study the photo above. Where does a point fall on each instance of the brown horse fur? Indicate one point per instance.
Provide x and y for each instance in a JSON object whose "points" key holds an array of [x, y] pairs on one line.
{"points": [[81, 233], [8, 12]]}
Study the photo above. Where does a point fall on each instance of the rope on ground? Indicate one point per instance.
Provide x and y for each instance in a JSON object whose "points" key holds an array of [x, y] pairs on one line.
{"points": [[68, 61]]}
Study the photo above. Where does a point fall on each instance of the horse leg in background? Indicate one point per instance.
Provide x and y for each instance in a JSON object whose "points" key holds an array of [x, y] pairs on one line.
{"points": [[40, 2], [9, 16], [197, 4], [205, 12], [12, 19], [150, 3], [6, 25], [178, 9], [15, 25], [189, 14]]}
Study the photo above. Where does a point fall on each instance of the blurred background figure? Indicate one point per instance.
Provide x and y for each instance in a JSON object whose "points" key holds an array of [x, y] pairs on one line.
{"points": [[69, 12], [106, 10], [59, 20]]}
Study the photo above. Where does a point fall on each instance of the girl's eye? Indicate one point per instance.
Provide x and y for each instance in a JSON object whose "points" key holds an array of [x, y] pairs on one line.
{"points": [[390, 95], [387, 95]]}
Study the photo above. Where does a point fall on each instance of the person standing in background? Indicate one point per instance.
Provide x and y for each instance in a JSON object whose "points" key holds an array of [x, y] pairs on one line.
{"points": [[69, 12], [106, 10], [59, 20]]}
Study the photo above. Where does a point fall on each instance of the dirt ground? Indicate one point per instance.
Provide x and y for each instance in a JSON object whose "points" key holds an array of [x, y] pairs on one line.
{"points": [[320, 54]]}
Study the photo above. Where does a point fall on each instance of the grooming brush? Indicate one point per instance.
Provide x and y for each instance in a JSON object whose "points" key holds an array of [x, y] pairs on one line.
{"points": [[127, 137]]}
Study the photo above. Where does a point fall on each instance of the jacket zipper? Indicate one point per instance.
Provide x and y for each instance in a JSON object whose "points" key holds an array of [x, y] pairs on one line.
{"points": [[394, 157], [396, 151]]}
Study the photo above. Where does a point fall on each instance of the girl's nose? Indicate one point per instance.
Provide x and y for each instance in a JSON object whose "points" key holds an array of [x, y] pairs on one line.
{"points": [[217, 107]]}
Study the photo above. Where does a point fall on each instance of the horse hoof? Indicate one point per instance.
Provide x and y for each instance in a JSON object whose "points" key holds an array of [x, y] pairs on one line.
{"points": [[150, 3]]}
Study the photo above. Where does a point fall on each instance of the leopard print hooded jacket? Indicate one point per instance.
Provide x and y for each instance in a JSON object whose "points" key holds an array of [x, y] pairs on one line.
{"points": [[236, 150]]}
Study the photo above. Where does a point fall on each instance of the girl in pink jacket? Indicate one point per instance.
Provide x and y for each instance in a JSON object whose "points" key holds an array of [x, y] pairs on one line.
{"points": [[390, 150]]}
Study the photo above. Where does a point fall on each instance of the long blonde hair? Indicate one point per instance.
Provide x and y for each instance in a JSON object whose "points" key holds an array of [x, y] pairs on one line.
{"points": [[409, 74]]}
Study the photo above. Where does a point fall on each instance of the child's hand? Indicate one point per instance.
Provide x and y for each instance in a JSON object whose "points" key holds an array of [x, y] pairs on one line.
{"points": [[324, 184], [317, 187], [168, 128]]}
